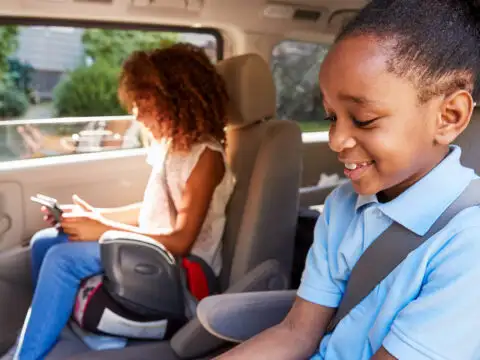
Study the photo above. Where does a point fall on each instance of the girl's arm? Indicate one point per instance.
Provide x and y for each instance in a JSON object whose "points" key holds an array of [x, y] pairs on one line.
{"points": [[198, 193], [196, 198], [124, 214], [127, 214]]}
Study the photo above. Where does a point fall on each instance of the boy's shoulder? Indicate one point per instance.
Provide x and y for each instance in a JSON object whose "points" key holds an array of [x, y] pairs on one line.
{"points": [[464, 228], [466, 224]]}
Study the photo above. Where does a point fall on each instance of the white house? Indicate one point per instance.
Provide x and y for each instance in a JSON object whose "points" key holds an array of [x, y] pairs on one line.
{"points": [[51, 51]]}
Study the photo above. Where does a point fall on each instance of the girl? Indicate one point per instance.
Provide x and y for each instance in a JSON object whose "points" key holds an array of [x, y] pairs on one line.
{"points": [[179, 97], [399, 86]]}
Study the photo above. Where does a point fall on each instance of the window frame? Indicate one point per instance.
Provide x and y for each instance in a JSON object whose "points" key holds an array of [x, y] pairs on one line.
{"points": [[116, 25]]}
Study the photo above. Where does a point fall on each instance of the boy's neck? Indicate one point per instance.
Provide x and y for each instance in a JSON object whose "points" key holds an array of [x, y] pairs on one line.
{"points": [[390, 194]]}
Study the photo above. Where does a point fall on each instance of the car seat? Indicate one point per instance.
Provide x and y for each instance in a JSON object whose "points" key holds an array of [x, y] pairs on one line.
{"points": [[266, 158]]}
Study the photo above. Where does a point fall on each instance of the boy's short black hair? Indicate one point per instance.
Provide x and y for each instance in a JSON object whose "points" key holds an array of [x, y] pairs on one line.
{"points": [[434, 43]]}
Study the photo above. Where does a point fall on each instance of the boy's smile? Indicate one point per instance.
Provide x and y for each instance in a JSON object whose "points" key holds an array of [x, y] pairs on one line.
{"points": [[354, 170], [381, 131]]}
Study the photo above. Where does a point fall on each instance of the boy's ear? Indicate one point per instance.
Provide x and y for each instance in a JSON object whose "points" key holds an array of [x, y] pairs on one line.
{"points": [[454, 116]]}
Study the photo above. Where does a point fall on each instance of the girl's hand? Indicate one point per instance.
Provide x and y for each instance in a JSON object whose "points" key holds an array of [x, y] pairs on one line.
{"points": [[82, 204], [50, 219], [78, 205], [83, 226]]}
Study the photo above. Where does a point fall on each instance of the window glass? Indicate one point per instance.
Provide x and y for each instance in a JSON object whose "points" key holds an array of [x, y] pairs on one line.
{"points": [[295, 67], [58, 87]]}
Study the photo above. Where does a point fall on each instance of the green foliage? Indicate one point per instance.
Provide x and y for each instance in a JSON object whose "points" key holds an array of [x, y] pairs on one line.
{"points": [[295, 68], [8, 44], [13, 102], [114, 46], [20, 73], [92, 90], [89, 91]]}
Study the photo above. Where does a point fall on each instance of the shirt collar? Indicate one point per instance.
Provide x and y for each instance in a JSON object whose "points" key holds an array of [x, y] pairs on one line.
{"points": [[363, 200], [420, 205]]}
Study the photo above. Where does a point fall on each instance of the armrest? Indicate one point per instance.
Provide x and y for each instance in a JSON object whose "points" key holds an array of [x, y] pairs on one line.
{"points": [[266, 276], [238, 317]]}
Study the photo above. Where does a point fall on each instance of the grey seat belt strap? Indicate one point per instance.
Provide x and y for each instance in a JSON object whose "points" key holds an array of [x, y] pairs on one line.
{"points": [[390, 249]]}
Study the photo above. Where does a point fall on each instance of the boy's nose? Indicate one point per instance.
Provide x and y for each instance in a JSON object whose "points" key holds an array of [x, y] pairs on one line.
{"points": [[340, 137]]}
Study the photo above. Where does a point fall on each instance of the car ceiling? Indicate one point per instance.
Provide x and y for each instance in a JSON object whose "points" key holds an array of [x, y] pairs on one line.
{"points": [[227, 15]]}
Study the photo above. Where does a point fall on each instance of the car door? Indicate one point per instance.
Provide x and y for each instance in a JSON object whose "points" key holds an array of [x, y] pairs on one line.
{"points": [[106, 179]]}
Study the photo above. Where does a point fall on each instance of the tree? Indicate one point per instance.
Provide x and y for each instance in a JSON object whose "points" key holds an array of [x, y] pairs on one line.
{"points": [[295, 67], [89, 91], [114, 46], [8, 44], [20, 73], [13, 101]]}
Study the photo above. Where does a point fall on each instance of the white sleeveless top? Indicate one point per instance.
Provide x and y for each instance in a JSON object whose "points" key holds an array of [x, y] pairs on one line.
{"points": [[155, 211]]}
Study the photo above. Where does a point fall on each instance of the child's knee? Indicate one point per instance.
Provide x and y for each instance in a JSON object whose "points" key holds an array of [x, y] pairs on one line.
{"points": [[71, 261], [42, 241], [44, 236], [45, 239]]}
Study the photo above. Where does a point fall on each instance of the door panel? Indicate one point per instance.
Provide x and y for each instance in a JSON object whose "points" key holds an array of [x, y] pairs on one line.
{"points": [[11, 214], [16, 294], [103, 179]]}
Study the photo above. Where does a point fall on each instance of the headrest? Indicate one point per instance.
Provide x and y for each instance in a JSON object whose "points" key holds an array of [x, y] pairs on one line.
{"points": [[250, 87], [469, 143]]}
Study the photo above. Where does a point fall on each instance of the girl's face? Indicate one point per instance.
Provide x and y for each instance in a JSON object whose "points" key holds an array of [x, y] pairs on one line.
{"points": [[380, 130], [145, 113]]}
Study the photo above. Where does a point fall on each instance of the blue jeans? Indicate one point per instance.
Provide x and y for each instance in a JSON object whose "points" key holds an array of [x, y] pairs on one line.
{"points": [[58, 266]]}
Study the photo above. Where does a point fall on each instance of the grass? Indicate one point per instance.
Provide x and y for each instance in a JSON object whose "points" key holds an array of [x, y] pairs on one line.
{"points": [[314, 126]]}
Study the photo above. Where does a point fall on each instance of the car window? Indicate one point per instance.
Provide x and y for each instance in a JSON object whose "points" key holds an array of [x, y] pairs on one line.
{"points": [[58, 86], [295, 67]]}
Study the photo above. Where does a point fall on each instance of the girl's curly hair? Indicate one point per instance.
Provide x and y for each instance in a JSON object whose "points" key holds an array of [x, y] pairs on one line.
{"points": [[178, 94]]}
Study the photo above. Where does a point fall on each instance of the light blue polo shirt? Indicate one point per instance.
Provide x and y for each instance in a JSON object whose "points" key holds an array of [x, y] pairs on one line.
{"points": [[429, 306]]}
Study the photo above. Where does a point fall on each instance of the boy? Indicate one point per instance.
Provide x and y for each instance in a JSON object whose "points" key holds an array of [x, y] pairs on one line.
{"points": [[398, 87]]}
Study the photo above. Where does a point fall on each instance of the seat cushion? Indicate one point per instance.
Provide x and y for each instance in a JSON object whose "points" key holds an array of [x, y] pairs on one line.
{"points": [[68, 345], [156, 350]]}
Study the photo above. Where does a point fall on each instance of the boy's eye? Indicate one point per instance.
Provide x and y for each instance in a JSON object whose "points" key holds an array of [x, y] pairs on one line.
{"points": [[331, 118], [358, 123], [362, 124]]}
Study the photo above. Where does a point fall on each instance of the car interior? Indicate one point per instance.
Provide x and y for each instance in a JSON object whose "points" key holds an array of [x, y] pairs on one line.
{"points": [[268, 53]]}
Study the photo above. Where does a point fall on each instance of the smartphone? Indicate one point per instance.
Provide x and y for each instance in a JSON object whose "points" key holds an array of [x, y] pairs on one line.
{"points": [[51, 204]]}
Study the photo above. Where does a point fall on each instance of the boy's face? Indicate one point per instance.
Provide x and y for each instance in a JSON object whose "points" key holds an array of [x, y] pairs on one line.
{"points": [[380, 130]]}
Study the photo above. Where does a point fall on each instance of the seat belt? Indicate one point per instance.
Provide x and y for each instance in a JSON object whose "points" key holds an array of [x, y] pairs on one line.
{"points": [[390, 249]]}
